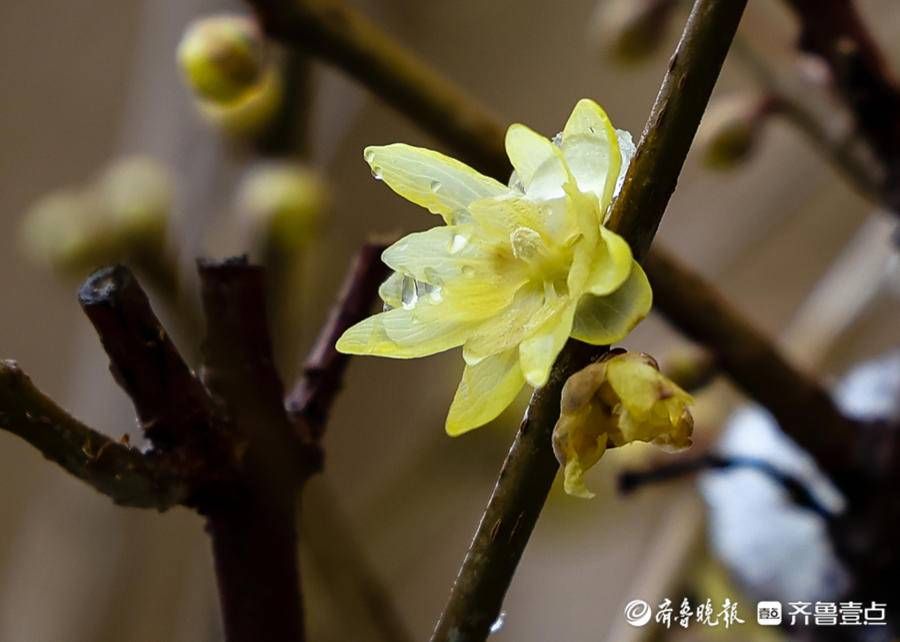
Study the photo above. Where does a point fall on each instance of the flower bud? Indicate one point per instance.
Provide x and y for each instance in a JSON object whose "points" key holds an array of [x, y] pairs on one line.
{"points": [[632, 30], [248, 116], [137, 194], [59, 231], [731, 129], [616, 401], [124, 213], [222, 57], [284, 201]]}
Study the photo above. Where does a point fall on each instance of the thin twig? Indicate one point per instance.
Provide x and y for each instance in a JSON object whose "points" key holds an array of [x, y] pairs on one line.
{"points": [[530, 467], [803, 408], [345, 38], [843, 151], [112, 468], [632, 480], [312, 397], [834, 31]]}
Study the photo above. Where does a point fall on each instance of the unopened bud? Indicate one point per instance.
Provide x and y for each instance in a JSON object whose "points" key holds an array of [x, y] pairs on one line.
{"points": [[731, 129], [248, 116], [222, 57], [632, 30], [284, 201], [137, 194], [123, 214]]}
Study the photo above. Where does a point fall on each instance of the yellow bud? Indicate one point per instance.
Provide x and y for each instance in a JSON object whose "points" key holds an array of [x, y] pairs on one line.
{"points": [[249, 115], [730, 130], [222, 57], [632, 30], [137, 194], [122, 214], [59, 231], [284, 201], [617, 401]]}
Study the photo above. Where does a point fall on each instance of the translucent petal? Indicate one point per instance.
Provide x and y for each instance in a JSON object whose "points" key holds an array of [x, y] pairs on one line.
{"points": [[404, 334], [602, 320], [506, 330], [391, 291], [590, 146], [499, 217], [439, 254], [486, 389], [538, 163], [538, 352], [611, 265], [432, 180]]}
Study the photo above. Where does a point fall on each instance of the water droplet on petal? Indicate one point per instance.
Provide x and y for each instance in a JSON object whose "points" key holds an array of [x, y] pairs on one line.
{"points": [[557, 140], [458, 243], [436, 296], [498, 623], [468, 270], [525, 242], [376, 173], [435, 186], [460, 217], [369, 154], [409, 292]]}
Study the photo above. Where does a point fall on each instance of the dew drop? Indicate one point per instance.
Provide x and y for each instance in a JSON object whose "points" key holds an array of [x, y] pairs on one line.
{"points": [[498, 623], [376, 173], [435, 186], [468, 270], [409, 292], [369, 155], [460, 217], [458, 243]]}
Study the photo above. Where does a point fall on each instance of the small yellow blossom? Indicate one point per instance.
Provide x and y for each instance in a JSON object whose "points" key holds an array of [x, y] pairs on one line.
{"points": [[515, 270], [619, 400]]}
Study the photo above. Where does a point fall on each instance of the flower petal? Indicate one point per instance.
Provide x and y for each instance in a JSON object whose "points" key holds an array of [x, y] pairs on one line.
{"points": [[611, 266], [441, 184], [391, 291], [538, 352], [539, 163], [486, 389], [602, 320], [438, 254], [404, 334], [591, 149], [528, 311]]}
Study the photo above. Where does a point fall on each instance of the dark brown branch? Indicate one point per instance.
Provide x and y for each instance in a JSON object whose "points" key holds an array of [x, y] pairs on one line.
{"points": [[170, 402], [834, 30], [345, 38], [122, 473], [797, 489], [311, 399], [530, 466], [801, 406], [253, 527]]}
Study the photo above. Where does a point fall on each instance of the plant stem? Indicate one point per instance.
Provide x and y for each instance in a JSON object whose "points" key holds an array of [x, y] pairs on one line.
{"points": [[120, 472], [252, 528], [530, 467]]}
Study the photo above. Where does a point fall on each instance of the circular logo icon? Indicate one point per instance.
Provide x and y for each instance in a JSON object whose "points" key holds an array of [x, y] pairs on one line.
{"points": [[637, 613]]}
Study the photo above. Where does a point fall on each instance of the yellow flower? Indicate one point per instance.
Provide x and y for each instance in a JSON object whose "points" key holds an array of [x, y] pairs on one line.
{"points": [[515, 270], [616, 401]]}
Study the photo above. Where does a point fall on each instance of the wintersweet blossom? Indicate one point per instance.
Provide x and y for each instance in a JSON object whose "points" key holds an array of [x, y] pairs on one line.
{"points": [[619, 400], [515, 270]]}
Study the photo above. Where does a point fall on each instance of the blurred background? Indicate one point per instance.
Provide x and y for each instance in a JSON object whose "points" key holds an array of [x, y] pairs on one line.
{"points": [[86, 83]]}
